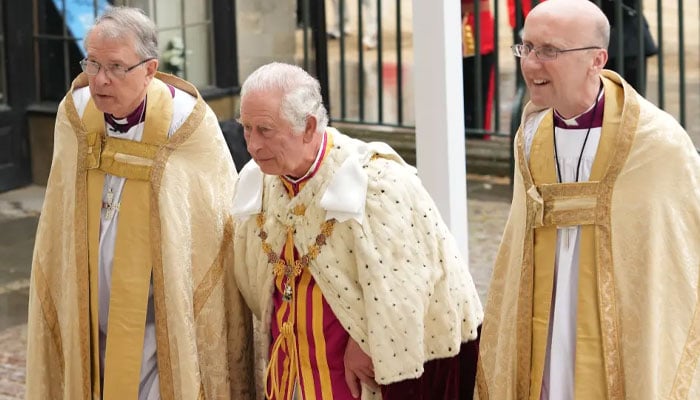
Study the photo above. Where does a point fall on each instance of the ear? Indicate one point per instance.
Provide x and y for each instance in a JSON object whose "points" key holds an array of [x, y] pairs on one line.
{"points": [[310, 129], [151, 68], [599, 60]]}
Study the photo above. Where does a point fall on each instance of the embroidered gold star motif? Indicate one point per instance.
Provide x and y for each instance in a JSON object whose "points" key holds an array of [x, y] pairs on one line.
{"points": [[300, 209]]}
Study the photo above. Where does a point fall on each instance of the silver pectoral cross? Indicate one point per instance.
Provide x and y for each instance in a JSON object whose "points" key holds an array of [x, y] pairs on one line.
{"points": [[110, 207]]}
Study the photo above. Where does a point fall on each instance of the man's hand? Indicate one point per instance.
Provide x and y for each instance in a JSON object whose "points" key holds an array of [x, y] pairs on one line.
{"points": [[358, 367]]}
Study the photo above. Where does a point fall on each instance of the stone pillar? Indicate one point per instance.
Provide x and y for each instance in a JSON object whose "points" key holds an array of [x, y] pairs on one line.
{"points": [[266, 33], [440, 154]]}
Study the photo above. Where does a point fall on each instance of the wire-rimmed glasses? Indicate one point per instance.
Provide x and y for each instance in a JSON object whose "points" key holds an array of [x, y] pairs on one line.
{"points": [[544, 53], [118, 71]]}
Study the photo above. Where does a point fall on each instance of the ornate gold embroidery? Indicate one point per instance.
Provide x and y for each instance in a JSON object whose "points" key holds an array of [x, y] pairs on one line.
{"points": [[280, 266]]}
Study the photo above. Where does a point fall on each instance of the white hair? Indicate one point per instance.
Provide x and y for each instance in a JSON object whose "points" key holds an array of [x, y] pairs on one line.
{"points": [[301, 93], [128, 21]]}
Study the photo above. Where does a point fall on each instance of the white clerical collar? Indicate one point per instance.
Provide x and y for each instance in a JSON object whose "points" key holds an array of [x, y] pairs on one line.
{"points": [[573, 121], [314, 165]]}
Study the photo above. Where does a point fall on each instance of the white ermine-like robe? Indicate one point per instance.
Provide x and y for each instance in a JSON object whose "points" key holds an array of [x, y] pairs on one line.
{"points": [[391, 271]]}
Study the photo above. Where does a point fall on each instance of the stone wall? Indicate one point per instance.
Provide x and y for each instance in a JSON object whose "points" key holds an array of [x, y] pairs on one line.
{"points": [[266, 32]]}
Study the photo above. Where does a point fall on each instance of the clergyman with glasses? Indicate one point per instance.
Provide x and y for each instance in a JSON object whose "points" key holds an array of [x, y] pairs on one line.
{"points": [[595, 286], [131, 296]]}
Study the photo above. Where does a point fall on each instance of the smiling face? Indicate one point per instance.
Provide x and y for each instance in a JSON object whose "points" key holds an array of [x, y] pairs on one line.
{"points": [[113, 95], [569, 82], [270, 139]]}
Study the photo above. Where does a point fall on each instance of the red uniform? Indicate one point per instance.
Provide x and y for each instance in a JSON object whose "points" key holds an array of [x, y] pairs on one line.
{"points": [[486, 47], [526, 6]]}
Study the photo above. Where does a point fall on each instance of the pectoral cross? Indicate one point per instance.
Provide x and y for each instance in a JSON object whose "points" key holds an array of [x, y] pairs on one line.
{"points": [[109, 205]]}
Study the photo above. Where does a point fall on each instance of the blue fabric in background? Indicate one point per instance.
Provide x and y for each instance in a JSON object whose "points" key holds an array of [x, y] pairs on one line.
{"points": [[79, 16]]}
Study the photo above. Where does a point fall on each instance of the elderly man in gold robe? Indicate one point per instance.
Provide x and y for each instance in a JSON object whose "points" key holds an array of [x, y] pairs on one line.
{"points": [[131, 296], [595, 287]]}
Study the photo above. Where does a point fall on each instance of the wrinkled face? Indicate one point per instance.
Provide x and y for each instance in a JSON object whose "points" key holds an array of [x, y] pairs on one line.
{"points": [[269, 137], [559, 82], [112, 94]]}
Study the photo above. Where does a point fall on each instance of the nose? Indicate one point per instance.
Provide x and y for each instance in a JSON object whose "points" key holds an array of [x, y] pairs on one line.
{"points": [[101, 78], [252, 142], [529, 61]]}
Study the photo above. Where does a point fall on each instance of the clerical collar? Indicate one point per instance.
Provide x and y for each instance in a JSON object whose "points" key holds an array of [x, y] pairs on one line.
{"points": [[585, 119], [122, 125], [314, 166]]}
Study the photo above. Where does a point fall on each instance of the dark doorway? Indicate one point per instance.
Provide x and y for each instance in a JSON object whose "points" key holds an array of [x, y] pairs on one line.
{"points": [[16, 90]]}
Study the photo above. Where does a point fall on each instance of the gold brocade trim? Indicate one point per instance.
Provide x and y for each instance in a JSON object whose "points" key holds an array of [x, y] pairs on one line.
{"points": [[127, 158], [95, 186], [481, 385], [689, 359], [524, 319], [80, 235], [167, 389], [568, 190], [525, 294], [48, 308], [214, 274], [125, 146], [620, 150], [568, 204], [280, 267]]}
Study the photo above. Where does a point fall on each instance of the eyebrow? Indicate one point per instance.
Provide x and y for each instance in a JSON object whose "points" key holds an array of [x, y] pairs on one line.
{"points": [[109, 62], [545, 44]]}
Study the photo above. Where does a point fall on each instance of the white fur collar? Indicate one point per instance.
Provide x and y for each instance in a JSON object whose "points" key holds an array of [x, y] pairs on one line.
{"points": [[345, 195]]}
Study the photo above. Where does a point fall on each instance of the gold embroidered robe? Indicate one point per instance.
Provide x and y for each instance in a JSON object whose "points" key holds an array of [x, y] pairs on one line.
{"points": [[202, 325], [640, 258]]}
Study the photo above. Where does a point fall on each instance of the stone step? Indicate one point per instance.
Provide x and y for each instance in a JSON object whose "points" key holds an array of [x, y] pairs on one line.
{"points": [[484, 157]]}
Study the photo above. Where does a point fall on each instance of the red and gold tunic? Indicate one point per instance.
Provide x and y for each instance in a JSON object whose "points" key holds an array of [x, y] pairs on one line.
{"points": [[311, 359]]}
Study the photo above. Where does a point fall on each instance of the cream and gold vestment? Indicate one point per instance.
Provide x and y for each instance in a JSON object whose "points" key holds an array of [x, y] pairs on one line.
{"points": [[638, 320], [175, 231]]}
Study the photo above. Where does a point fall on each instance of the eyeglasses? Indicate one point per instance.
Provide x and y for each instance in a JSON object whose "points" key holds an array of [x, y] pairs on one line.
{"points": [[119, 71], [544, 53]]}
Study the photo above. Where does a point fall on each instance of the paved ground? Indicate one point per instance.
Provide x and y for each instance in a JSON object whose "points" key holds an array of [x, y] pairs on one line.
{"points": [[488, 202], [19, 211]]}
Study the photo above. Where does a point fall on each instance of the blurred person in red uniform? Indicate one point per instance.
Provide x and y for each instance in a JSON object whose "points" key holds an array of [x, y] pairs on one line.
{"points": [[486, 49], [525, 7]]}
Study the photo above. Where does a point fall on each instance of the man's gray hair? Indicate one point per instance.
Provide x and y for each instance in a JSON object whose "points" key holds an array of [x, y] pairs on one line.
{"points": [[301, 93], [128, 22]]}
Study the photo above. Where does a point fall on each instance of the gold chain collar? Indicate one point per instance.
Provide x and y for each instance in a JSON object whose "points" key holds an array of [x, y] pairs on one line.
{"points": [[280, 266]]}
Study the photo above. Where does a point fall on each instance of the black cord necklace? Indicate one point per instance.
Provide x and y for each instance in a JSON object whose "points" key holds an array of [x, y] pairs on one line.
{"points": [[585, 140]]}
